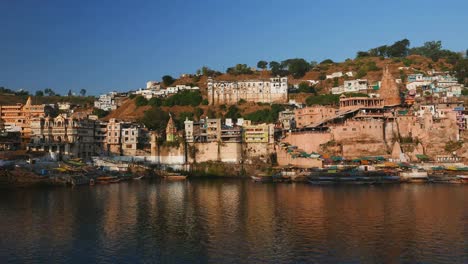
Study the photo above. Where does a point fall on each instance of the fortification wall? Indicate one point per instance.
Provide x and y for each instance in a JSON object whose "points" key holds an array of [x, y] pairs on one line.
{"points": [[359, 130], [284, 159], [308, 141], [229, 152]]}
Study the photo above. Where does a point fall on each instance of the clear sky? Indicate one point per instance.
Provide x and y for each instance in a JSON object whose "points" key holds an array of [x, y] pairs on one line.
{"points": [[104, 45]]}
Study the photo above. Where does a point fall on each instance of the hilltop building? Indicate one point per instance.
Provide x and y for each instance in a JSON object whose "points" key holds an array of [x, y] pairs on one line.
{"points": [[263, 91]]}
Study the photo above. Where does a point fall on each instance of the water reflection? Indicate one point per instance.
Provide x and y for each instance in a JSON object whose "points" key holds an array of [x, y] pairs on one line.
{"points": [[232, 221]]}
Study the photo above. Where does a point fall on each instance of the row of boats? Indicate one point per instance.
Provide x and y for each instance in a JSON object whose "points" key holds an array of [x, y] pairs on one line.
{"points": [[116, 178], [326, 177]]}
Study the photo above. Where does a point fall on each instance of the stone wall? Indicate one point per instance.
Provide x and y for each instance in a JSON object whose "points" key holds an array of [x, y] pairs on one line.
{"points": [[307, 140], [356, 150], [285, 159], [359, 130], [213, 151]]}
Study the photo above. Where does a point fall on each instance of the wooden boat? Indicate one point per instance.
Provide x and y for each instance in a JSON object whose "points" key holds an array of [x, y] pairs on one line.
{"points": [[262, 178], [174, 176], [107, 179], [138, 177]]}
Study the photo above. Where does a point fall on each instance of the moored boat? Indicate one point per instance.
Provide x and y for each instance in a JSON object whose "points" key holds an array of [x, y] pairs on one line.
{"points": [[106, 179], [174, 176], [414, 176], [262, 177], [462, 178]]}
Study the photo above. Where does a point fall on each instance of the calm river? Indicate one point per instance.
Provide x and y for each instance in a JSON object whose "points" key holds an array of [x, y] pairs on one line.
{"points": [[234, 221]]}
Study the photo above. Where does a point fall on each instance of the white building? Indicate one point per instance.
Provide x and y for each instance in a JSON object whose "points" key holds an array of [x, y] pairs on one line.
{"points": [[107, 102], [264, 91]]}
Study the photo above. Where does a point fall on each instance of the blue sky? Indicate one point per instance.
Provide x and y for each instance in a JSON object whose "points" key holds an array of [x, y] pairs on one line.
{"points": [[104, 45]]}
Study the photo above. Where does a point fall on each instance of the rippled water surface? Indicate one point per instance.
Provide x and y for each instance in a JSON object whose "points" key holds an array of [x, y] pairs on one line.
{"points": [[234, 221]]}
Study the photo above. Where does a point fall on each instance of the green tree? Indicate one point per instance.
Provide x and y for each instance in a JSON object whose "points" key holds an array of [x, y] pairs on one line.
{"points": [[140, 101], [362, 54], [461, 71], [198, 112], [324, 99], [39, 93], [304, 87], [49, 92], [239, 69], [398, 49], [155, 101], [233, 112], [70, 93], [83, 92], [297, 67], [100, 113], [275, 67], [262, 64], [210, 113], [168, 80], [327, 61], [155, 119]]}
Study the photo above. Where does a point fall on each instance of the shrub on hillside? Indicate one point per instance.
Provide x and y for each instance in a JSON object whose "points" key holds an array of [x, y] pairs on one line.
{"points": [[324, 99], [140, 101]]}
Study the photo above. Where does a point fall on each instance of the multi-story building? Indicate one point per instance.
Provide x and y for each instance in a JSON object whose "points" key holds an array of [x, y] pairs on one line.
{"points": [[155, 90], [63, 136], [212, 130], [287, 119], [109, 101], [124, 138], [264, 91], [18, 117], [100, 134], [261, 133]]}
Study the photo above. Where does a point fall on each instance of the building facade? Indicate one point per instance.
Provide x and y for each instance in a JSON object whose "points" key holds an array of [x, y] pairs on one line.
{"points": [[18, 117], [264, 91], [63, 136]]}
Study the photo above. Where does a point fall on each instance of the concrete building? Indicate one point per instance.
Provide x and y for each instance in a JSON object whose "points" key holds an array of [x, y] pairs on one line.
{"points": [[18, 117], [63, 136], [109, 101], [124, 138], [264, 91], [261, 133], [287, 119]]}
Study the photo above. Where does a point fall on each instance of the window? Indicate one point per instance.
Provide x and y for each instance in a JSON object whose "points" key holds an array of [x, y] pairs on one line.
{"points": [[345, 129]]}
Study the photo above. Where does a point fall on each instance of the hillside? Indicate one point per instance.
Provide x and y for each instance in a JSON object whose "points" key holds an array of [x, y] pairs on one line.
{"points": [[415, 63]]}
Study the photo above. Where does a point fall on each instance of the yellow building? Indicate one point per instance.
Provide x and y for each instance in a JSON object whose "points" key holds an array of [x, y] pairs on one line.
{"points": [[261, 133]]}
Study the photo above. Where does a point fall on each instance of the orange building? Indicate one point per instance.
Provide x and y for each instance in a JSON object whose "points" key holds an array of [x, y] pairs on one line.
{"points": [[20, 116]]}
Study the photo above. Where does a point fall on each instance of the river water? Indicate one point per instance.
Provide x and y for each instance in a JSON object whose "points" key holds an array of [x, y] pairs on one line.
{"points": [[234, 221]]}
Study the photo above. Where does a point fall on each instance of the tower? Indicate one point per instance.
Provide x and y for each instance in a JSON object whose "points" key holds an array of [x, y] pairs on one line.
{"points": [[389, 89], [171, 130]]}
